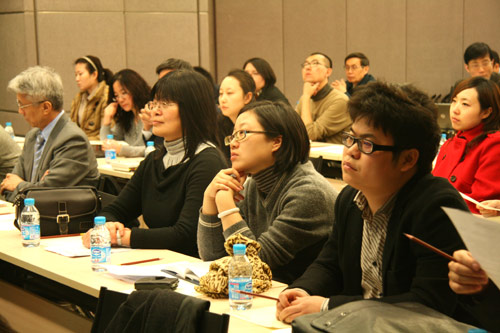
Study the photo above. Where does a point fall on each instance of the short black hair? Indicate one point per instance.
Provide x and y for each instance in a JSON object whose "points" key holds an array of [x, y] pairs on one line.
{"points": [[247, 83], [476, 50], [363, 59], [280, 118], [195, 98], [138, 89], [405, 113], [330, 63], [494, 57], [174, 64], [205, 73], [264, 69]]}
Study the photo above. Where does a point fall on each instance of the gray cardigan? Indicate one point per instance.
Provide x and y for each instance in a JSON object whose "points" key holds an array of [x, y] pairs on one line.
{"points": [[291, 223], [133, 137]]}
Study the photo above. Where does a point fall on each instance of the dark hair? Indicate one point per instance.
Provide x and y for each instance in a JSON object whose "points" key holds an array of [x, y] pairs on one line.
{"points": [[102, 73], [476, 50], [405, 113], [488, 95], [279, 118], [138, 89], [247, 83], [494, 57], [194, 97], [174, 64], [205, 73], [363, 59], [330, 63], [264, 69]]}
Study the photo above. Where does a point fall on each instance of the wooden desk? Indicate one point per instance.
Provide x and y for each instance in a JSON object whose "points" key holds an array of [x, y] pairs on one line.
{"points": [[76, 272], [328, 151], [106, 169]]}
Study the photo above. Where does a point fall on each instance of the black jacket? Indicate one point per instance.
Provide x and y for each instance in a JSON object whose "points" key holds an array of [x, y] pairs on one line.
{"points": [[410, 272]]}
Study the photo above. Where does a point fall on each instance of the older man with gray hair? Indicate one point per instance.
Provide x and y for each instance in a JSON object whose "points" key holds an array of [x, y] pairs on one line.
{"points": [[56, 151]]}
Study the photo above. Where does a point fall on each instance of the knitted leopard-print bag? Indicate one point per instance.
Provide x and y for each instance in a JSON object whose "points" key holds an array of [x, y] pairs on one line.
{"points": [[215, 283]]}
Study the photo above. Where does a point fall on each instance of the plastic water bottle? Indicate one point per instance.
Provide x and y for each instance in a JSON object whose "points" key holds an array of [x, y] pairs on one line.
{"points": [[110, 153], [150, 147], [9, 129], [100, 245], [240, 278], [443, 139], [30, 224]]}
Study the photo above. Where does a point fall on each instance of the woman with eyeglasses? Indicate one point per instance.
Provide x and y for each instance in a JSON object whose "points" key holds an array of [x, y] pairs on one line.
{"points": [[167, 188], [121, 117], [470, 160], [236, 90], [264, 78], [87, 108], [272, 193]]}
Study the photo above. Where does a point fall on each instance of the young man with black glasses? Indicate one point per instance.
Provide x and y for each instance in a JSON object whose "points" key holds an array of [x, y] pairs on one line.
{"points": [[386, 163]]}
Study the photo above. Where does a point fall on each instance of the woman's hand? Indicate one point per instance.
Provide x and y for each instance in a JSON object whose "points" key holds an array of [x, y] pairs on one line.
{"points": [[109, 113], [226, 180], [489, 212], [113, 228], [112, 145], [145, 116]]}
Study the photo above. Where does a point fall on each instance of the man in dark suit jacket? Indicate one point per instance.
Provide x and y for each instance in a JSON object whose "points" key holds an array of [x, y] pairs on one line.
{"points": [[386, 163], [56, 151]]}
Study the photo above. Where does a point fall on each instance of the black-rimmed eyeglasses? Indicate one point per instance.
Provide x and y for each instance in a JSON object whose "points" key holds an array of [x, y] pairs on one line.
{"points": [[241, 135], [365, 146]]}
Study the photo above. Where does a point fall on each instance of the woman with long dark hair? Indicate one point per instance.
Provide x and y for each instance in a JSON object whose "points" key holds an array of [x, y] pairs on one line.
{"points": [[167, 188], [121, 117], [470, 160], [87, 108]]}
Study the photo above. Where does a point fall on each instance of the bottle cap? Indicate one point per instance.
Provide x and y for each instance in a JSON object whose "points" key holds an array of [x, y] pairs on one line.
{"points": [[99, 220], [239, 248], [29, 202], [443, 135], [110, 136], [150, 144], [8, 123], [476, 330]]}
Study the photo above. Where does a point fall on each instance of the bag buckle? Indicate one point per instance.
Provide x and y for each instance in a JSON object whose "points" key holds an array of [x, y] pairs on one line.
{"points": [[63, 219]]}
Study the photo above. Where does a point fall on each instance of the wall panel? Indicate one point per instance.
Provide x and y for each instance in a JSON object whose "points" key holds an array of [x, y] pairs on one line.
{"points": [[310, 26], [247, 29], [435, 37]]}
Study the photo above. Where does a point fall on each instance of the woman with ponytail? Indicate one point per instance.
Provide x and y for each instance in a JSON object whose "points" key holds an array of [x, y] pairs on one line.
{"points": [[87, 108]]}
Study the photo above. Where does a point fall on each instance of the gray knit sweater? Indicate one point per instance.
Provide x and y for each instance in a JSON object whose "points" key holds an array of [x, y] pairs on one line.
{"points": [[291, 223]]}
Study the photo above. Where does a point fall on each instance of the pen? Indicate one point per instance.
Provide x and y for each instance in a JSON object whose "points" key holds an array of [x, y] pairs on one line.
{"points": [[257, 295], [140, 261], [59, 236], [430, 247]]}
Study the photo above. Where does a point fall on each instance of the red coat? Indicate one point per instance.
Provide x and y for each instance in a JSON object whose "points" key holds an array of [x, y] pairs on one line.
{"points": [[478, 173]]}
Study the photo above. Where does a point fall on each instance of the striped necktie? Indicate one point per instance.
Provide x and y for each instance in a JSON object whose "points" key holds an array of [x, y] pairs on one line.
{"points": [[40, 141]]}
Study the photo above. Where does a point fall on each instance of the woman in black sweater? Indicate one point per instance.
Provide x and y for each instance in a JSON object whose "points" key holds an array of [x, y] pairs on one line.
{"points": [[167, 188], [265, 79]]}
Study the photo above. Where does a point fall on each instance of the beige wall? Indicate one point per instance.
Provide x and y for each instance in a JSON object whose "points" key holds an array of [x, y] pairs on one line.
{"points": [[132, 34], [418, 41]]}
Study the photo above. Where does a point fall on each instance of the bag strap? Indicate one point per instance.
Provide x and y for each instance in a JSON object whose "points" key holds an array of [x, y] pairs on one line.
{"points": [[62, 218]]}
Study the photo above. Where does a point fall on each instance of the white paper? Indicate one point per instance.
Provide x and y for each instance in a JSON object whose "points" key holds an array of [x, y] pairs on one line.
{"points": [[474, 201], [265, 316], [481, 236], [71, 247], [189, 270]]}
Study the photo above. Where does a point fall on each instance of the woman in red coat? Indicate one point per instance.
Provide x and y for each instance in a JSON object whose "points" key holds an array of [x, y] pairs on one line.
{"points": [[471, 159]]}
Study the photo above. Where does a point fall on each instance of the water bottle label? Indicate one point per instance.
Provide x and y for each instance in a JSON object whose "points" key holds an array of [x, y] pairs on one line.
{"points": [[30, 232], [99, 254], [240, 283], [110, 154]]}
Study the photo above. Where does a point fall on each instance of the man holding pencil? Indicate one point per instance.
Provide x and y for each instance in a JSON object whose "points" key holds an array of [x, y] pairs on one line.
{"points": [[386, 163]]}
